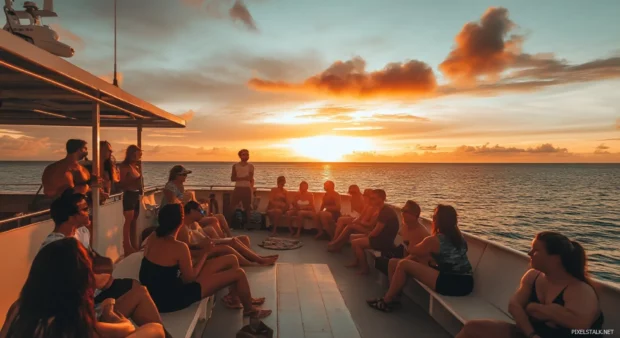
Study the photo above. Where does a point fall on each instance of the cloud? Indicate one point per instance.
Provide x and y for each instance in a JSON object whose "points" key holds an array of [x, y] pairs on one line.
{"points": [[618, 124], [240, 12], [480, 48], [428, 148], [398, 117], [601, 149], [22, 147], [351, 79], [546, 148]]}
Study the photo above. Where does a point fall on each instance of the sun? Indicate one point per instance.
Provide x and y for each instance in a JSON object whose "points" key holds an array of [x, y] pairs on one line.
{"points": [[328, 148]]}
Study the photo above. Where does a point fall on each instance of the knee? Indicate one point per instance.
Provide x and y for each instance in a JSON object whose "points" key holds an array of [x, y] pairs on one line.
{"points": [[244, 238], [232, 260], [155, 330], [240, 273]]}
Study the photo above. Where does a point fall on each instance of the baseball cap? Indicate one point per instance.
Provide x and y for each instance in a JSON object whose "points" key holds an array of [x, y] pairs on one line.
{"points": [[180, 170]]}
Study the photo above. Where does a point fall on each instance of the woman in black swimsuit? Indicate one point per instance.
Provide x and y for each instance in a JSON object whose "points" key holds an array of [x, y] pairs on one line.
{"points": [[555, 296], [175, 283]]}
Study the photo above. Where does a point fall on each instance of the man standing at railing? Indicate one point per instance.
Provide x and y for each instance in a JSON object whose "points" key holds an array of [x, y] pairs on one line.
{"points": [[68, 172]]}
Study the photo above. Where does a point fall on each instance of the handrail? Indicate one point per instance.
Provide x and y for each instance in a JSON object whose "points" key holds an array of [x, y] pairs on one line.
{"points": [[17, 218]]}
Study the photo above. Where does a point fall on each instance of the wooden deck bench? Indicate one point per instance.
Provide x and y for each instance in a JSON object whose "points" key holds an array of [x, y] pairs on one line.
{"points": [[493, 287], [186, 323]]}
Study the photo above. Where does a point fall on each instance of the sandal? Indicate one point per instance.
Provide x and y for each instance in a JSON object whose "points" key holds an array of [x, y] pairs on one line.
{"points": [[257, 313], [381, 305], [230, 303], [255, 301]]}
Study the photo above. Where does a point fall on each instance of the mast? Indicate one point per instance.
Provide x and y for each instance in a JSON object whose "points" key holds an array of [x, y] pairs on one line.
{"points": [[115, 81]]}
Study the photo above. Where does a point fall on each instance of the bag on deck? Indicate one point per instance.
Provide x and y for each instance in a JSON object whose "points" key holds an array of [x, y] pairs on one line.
{"points": [[239, 219], [256, 329]]}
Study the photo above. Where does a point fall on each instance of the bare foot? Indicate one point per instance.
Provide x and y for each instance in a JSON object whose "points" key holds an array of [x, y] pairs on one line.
{"points": [[269, 261], [352, 265]]}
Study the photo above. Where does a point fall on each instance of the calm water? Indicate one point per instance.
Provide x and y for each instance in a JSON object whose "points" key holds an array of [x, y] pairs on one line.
{"points": [[507, 203]]}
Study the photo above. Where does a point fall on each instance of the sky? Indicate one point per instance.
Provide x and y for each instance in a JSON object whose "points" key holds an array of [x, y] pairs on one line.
{"points": [[344, 80]]}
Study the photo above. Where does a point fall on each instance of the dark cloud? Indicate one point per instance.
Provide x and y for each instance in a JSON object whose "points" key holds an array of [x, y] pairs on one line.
{"points": [[350, 79], [546, 148], [601, 149], [240, 12]]}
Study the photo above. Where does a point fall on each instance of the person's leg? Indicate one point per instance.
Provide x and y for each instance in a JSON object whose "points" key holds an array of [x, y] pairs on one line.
{"points": [[246, 200], [128, 248], [392, 267], [274, 216], [324, 218], [138, 305], [358, 246], [213, 222], [251, 255], [219, 264], [134, 224], [425, 274], [353, 237], [222, 249], [300, 217], [223, 223], [151, 330], [244, 239], [485, 328], [211, 232], [211, 283]]}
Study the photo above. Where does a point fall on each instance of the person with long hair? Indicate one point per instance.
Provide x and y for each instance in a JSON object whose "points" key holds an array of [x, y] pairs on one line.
{"points": [[439, 261], [329, 211], [57, 300], [555, 296], [175, 282], [131, 184], [303, 208]]}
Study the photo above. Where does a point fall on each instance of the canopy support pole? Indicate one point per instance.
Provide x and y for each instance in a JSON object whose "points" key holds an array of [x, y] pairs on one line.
{"points": [[96, 173]]}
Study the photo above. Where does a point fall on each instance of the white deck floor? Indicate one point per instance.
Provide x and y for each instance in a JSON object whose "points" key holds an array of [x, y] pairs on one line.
{"points": [[307, 304]]}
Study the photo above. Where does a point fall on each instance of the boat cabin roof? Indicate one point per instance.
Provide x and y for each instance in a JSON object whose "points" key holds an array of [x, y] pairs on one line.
{"points": [[38, 88]]}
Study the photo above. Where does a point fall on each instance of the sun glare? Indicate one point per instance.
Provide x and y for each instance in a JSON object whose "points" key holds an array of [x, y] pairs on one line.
{"points": [[327, 148]]}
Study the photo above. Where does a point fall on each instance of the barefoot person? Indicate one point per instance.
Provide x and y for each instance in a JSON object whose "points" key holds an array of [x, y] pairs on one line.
{"points": [[278, 206], [329, 210], [197, 239], [67, 173], [555, 297], [348, 225], [303, 208], [243, 176], [131, 184], [174, 190], [440, 262], [175, 282], [382, 235], [56, 300]]}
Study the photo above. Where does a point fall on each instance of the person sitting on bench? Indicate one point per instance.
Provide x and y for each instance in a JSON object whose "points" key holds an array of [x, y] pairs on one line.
{"points": [[440, 262], [303, 207], [555, 297], [175, 283], [57, 300], [196, 238], [70, 215], [347, 225]]}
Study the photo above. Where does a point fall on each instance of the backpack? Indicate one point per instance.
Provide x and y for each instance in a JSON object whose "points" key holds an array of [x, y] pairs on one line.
{"points": [[239, 219]]}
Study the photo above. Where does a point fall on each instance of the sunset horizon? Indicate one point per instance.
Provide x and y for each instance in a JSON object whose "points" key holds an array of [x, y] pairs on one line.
{"points": [[486, 82]]}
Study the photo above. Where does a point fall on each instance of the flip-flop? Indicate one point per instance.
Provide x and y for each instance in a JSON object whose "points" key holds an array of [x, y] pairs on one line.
{"points": [[257, 313], [229, 304], [255, 301], [381, 305]]}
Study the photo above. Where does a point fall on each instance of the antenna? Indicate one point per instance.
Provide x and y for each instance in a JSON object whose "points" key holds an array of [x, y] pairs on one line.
{"points": [[115, 81]]}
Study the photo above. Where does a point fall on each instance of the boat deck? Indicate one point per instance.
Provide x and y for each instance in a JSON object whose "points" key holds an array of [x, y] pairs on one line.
{"points": [[300, 290]]}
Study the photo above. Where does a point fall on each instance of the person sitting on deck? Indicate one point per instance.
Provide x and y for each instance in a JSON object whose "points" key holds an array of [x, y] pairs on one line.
{"points": [[174, 190], [68, 172], [197, 239], [70, 215], [439, 261], [362, 224], [278, 206], [175, 282], [382, 235], [303, 207], [131, 184], [329, 212], [357, 201], [555, 295], [57, 300]]}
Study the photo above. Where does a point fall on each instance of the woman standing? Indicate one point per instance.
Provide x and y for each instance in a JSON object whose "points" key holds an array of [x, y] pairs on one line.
{"points": [[131, 184]]}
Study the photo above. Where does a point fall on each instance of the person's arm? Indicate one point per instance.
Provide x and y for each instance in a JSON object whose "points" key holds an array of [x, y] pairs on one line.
{"points": [[233, 175], [189, 271], [115, 330], [322, 203], [251, 174], [577, 313], [425, 248], [518, 302], [337, 204]]}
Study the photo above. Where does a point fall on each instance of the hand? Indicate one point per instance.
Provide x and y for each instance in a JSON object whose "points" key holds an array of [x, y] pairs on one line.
{"points": [[537, 311], [109, 315], [208, 245]]}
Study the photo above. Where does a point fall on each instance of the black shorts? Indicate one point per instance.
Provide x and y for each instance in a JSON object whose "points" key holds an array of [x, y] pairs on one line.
{"points": [[177, 299], [118, 288], [335, 215], [131, 201], [381, 243], [449, 284]]}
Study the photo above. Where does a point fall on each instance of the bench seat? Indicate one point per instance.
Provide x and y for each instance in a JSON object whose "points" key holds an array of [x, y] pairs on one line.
{"points": [[181, 324]]}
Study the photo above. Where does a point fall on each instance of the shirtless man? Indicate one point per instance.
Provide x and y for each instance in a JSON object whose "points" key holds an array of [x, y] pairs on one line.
{"points": [[243, 176], [329, 211], [67, 173]]}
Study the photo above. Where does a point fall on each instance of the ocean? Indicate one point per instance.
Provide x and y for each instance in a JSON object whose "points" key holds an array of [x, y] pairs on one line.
{"points": [[507, 203]]}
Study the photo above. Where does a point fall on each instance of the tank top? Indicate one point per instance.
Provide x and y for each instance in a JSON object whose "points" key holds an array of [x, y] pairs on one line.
{"points": [[159, 279], [558, 332], [242, 171], [451, 259]]}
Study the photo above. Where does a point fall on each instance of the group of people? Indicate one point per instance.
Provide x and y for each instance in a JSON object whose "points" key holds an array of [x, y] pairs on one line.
{"points": [[192, 254]]}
